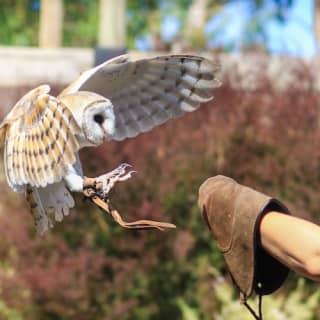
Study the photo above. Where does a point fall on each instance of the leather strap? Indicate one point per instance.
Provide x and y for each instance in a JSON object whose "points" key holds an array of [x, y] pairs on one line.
{"points": [[90, 191]]}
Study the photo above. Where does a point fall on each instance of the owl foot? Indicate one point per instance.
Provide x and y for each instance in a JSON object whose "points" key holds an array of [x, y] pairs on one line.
{"points": [[97, 189], [106, 181]]}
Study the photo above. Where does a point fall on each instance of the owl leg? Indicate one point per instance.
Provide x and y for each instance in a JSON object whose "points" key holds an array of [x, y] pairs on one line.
{"points": [[104, 183], [74, 179], [97, 189], [108, 180]]}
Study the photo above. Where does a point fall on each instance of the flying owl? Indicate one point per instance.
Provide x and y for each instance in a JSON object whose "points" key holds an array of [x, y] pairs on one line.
{"points": [[116, 100]]}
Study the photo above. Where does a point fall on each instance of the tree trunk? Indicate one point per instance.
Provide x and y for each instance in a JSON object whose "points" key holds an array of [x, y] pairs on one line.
{"points": [[316, 23], [112, 24], [195, 25], [51, 20]]}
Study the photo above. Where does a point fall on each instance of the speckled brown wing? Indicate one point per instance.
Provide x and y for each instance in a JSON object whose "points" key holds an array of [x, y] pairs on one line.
{"points": [[40, 140]]}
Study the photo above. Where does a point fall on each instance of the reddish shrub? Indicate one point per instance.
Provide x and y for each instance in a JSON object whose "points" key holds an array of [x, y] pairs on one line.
{"points": [[88, 268]]}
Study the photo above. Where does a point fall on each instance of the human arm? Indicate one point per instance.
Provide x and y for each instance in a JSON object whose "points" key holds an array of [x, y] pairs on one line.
{"points": [[293, 241]]}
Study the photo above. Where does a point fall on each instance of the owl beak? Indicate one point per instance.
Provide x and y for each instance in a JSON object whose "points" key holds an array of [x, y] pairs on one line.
{"points": [[108, 127]]}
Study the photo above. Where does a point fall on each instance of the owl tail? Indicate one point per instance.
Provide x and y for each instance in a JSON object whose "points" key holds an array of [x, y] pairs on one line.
{"points": [[48, 204], [41, 219]]}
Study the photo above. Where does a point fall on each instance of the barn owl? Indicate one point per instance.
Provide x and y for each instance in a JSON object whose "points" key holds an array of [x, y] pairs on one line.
{"points": [[116, 100]]}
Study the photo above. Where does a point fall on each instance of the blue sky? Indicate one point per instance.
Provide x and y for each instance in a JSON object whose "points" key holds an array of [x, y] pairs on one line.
{"points": [[294, 37]]}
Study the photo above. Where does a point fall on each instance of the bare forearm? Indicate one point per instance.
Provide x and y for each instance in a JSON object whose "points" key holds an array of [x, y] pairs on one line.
{"points": [[293, 241]]}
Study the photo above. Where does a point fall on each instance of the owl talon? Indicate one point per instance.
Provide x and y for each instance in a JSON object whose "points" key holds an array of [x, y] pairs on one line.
{"points": [[106, 182], [124, 166], [127, 176]]}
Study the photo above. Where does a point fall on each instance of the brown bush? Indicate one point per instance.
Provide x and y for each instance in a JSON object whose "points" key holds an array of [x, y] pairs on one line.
{"points": [[88, 268]]}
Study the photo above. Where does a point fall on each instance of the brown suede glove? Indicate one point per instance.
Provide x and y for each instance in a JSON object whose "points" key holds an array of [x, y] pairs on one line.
{"points": [[233, 213]]}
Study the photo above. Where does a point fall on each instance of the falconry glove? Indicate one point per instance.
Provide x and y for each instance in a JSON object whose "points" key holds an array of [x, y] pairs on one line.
{"points": [[233, 213]]}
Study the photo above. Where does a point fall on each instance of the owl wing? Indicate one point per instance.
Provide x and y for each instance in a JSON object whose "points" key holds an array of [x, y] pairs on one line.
{"points": [[148, 92], [39, 137]]}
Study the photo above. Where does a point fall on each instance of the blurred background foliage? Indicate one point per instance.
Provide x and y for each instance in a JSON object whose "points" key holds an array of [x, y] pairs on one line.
{"points": [[90, 268], [20, 20]]}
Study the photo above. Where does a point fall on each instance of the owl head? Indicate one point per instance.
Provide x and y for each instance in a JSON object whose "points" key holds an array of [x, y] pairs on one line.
{"points": [[94, 115]]}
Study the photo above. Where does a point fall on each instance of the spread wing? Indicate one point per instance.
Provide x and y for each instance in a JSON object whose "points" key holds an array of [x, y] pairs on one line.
{"points": [[40, 143], [148, 92]]}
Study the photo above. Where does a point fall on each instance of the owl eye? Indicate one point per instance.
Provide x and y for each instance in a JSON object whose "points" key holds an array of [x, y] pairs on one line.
{"points": [[98, 118]]}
